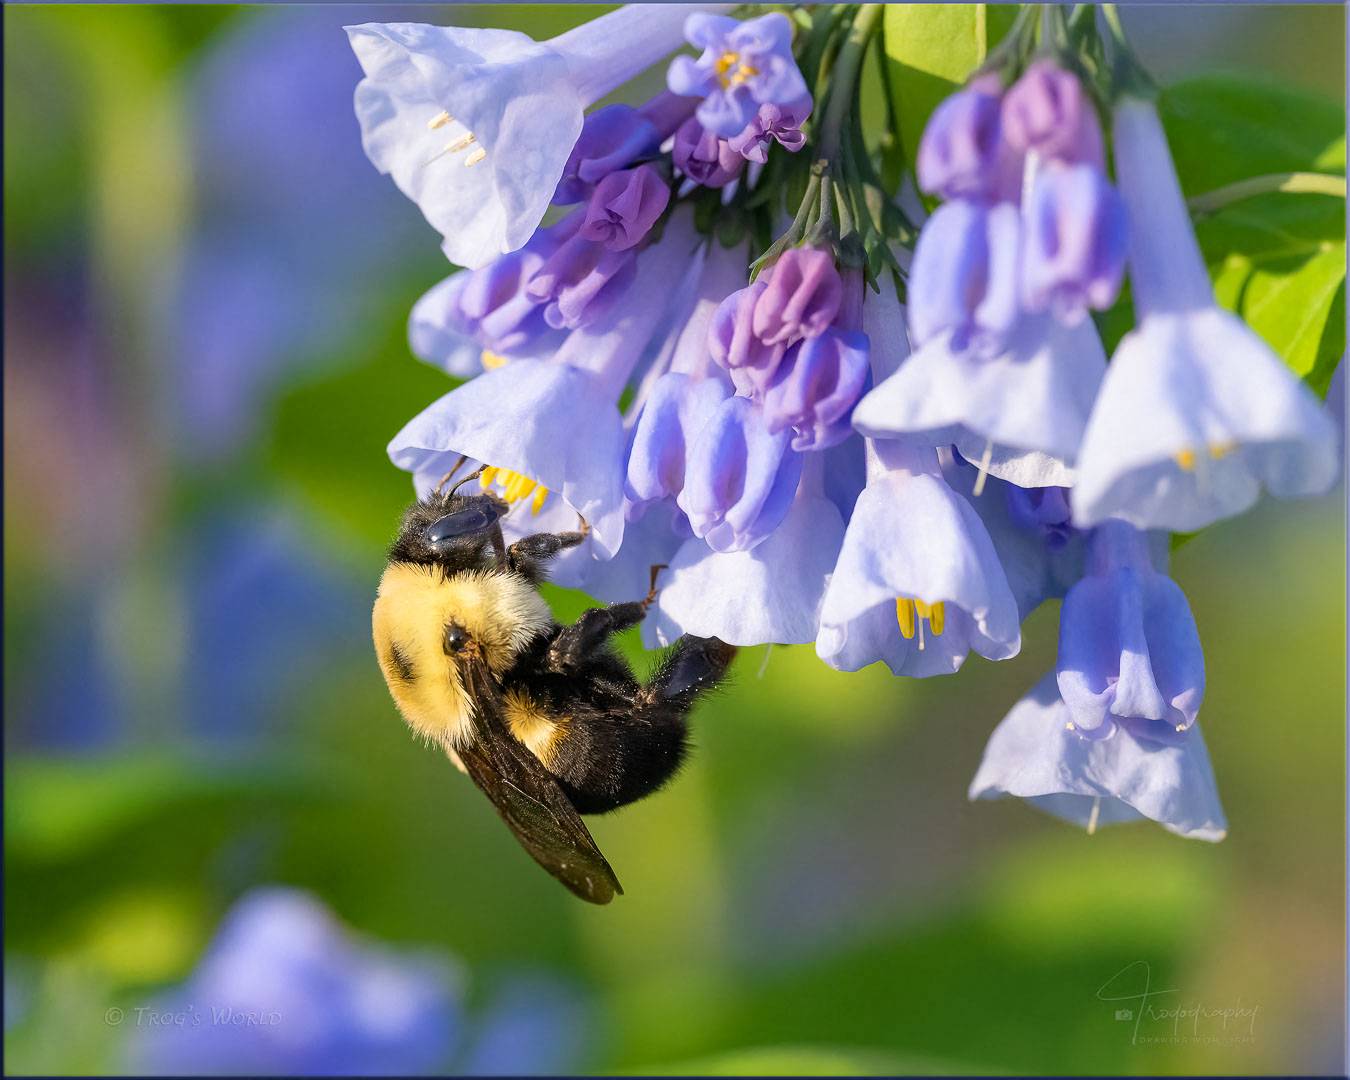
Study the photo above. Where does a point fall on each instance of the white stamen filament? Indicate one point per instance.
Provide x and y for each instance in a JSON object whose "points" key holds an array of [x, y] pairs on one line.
{"points": [[1092, 820], [978, 489]]}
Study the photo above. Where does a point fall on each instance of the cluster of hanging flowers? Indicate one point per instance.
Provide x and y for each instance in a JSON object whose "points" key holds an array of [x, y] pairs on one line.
{"points": [[732, 353]]}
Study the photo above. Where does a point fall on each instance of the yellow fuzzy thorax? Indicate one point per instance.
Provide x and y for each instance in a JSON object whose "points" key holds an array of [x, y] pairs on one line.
{"points": [[501, 612]]}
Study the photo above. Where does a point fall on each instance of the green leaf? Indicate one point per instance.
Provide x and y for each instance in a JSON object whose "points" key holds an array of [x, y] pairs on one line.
{"points": [[931, 49], [1222, 129]]}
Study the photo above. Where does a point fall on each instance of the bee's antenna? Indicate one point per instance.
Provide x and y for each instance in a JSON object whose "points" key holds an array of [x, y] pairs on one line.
{"points": [[472, 476], [462, 459]]}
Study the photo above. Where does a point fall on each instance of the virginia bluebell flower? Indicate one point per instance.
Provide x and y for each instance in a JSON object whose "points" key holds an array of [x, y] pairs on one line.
{"points": [[533, 1026], [769, 592], [732, 341], [1129, 653], [624, 207], [744, 65], [676, 410], [802, 298], [1196, 412], [1035, 754], [1074, 237], [705, 158], [324, 1003], [1019, 415], [554, 424], [436, 99], [917, 583], [1047, 113]]}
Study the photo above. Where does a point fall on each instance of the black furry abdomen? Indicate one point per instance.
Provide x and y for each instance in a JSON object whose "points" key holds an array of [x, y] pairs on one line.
{"points": [[619, 740]]}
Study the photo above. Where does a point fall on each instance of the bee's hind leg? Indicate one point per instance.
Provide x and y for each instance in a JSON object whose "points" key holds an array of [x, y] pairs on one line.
{"points": [[694, 665]]}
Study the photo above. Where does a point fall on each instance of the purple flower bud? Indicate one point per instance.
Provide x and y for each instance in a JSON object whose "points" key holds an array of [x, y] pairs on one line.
{"points": [[581, 281], [1075, 238], [705, 158], [802, 299], [673, 415], [1045, 510], [610, 138], [961, 148], [964, 276], [1046, 111], [780, 122], [624, 207], [731, 336], [740, 479], [816, 387]]}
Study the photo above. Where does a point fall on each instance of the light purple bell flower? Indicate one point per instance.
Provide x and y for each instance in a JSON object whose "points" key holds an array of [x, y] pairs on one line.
{"points": [[556, 421], [476, 126], [910, 538], [962, 153], [1020, 416], [676, 411], [739, 479], [773, 123], [964, 278], [918, 583], [1074, 236], [624, 207], [1047, 113], [1196, 413], [1034, 754], [1129, 653], [744, 65], [769, 593], [705, 158]]}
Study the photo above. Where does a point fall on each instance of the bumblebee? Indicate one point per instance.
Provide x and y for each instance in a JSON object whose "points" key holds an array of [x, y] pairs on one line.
{"points": [[548, 720]]}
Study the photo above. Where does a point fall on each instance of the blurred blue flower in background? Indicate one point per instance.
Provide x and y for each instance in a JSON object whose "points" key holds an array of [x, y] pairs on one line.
{"points": [[284, 988], [279, 271], [535, 1025]]}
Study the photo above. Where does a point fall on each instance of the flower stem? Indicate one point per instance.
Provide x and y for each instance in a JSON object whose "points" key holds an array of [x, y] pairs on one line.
{"points": [[846, 67], [1297, 183]]}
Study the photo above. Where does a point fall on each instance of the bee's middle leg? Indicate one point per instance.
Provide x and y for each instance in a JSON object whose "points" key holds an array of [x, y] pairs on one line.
{"points": [[593, 629]]}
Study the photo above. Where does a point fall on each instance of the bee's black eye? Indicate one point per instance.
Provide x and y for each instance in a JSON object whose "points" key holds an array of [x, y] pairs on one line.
{"points": [[454, 639], [466, 522]]}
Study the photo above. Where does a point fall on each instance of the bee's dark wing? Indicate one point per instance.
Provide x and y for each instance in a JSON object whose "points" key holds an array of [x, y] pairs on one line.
{"points": [[528, 798]]}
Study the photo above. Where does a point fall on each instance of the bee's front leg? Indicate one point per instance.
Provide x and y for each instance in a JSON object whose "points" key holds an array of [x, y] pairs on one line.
{"points": [[593, 629], [529, 555]]}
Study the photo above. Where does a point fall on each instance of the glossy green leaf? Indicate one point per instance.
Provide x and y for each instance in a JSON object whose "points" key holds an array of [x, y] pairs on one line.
{"points": [[931, 50]]}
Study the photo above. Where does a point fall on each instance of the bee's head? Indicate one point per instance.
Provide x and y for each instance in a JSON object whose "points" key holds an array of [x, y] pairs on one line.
{"points": [[453, 531]]}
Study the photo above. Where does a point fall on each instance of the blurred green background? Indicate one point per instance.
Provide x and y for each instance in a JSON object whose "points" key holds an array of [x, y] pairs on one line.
{"points": [[206, 288]]}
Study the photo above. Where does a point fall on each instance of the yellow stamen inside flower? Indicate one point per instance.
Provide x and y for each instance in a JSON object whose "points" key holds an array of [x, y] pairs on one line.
{"points": [[439, 120], [910, 614], [492, 360], [1221, 450], [515, 487], [477, 156], [1186, 459], [455, 145], [730, 70]]}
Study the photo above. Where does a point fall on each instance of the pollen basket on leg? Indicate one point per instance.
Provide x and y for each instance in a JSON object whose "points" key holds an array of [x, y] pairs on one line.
{"points": [[515, 487]]}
